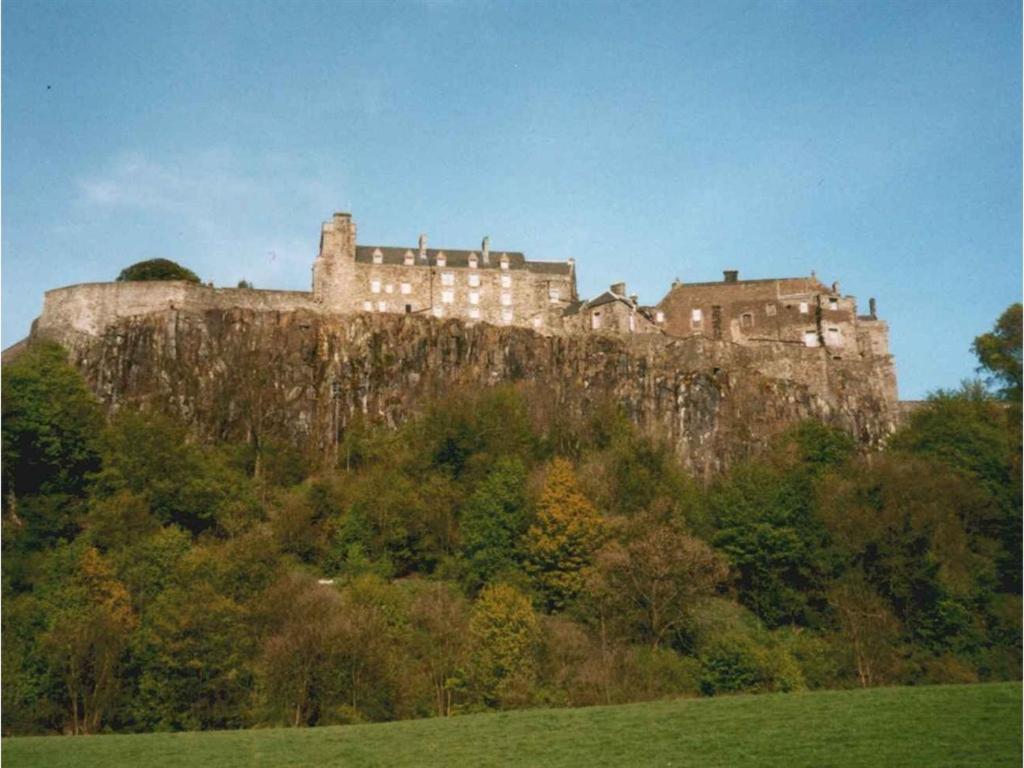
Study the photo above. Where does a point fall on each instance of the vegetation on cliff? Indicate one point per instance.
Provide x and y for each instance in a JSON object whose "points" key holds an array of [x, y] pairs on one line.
{"points": [[489, 554], [157, 269]]}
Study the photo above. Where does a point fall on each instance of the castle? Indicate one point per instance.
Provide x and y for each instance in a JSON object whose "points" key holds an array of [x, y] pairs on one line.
{"points": [[504, 288]]}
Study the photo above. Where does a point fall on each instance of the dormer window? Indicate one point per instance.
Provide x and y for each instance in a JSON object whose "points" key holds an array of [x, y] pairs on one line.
{"points": [[833, 304], [409, 258], [472, 261], [442, 260], [504, 261], [378, 257]]}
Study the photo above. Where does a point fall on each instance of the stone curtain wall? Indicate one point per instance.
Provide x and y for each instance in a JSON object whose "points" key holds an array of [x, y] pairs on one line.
{"points": [[242, 373]]}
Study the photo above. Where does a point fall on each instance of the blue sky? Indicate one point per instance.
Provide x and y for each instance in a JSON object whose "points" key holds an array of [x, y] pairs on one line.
{"points": [[878, 144]]}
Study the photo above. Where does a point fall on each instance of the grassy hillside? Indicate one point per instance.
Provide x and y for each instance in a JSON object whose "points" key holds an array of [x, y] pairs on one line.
{"points": [[975, 725]]}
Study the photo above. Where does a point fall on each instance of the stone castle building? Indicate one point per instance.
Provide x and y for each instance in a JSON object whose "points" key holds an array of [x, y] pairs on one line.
{"points": [[504, 288]]}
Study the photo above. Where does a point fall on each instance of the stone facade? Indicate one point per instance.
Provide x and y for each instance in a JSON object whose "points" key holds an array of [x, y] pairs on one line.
{"points": [[501, 288]]}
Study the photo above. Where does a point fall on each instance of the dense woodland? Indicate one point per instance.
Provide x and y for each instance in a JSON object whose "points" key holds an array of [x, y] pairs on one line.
{"points": [[491, 555]]}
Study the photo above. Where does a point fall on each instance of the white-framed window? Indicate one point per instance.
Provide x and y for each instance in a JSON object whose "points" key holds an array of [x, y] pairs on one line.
{"points": [[441, 259], [367, 306], [447, 278], [834, 337], [378, 257], [472, 261], [506, 315], [833, 304], [438, 311], [554, 294], [504, 261], [506, 299], [389, 288], [474, 313], [474, 281], [447, 297], [382, 306], [632, 323], [375, 286], [406, 288], [506, 281], [810, 338], [696, 317], [474, 297], [595, 321], [409, 258], [804, 309], [769, 309], [659, 317]]}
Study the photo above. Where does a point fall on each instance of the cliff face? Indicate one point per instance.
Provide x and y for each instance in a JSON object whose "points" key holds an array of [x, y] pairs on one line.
{"points": [[240, 373]]}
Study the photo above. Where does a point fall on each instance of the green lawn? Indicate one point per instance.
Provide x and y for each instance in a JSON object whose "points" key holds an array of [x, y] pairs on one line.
{"points": [[969, 725]]}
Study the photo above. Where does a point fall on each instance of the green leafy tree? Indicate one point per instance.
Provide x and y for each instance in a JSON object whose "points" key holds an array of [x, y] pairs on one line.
{"points": [[563, 540], [505, 637], [157, 269], [999, 353], [493, 523]]}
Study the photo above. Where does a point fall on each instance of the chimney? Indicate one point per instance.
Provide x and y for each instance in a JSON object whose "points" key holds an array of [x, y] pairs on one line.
{"points": [[423, 247], [485, 246], [634, 298], [619, 289], [872, 309], [730, 275], [835, 287]]}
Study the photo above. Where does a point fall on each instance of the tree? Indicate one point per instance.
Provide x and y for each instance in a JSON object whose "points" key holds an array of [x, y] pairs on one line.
{"points": [[91, 619], [50, 425], [439, 619], [650, 577], [493, 522], [505, 637], [999, 353], [564, 538], [157, 269]]}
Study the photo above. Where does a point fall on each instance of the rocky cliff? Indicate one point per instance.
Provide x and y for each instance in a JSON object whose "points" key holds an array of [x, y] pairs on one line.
{"points": [[240, 373]]}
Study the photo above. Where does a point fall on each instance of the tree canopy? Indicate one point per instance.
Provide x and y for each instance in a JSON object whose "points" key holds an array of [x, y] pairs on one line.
{"points": [[157, 269]]}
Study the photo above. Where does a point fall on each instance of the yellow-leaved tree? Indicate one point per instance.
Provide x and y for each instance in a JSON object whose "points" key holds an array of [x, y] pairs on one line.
{"points": [[563, 540]]}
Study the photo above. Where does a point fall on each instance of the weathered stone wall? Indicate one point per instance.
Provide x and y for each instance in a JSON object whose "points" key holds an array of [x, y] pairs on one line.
{"points": [[243, 373]]}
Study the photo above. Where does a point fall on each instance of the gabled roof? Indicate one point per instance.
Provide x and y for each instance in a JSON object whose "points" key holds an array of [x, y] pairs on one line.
{"points": [[460, 258]]}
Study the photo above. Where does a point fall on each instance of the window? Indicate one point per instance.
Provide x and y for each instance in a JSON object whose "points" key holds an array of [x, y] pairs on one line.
{"points": [[506, 299], [378, 257], [747, 320], [447, 278], [367, 306], [506, 315], [447, 297], [595, 321], [810, 339], [769, 309], [506, 281], [538, 322], [504, 261], [659, 317], [474, 313], [833, 304], [803, 307], [406, 289], [554, 294], [474, 281], [438, 311], [389, 288], [382, 306], [441, 259], [408, 258], [472, 261], [696, 318], [834, 337], [375, 286], [632, 323], [474, 297], [408, 309]]}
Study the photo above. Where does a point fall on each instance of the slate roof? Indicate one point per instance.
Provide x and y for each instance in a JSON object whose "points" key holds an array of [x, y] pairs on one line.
{"points": [[457, 258]]}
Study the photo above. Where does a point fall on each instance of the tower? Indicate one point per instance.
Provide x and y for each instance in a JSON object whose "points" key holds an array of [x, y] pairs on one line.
{"points": [[334, 268]]}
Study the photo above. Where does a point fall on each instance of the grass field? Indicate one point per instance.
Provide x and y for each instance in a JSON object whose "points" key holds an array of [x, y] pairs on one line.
{"points": [[969, 725]]}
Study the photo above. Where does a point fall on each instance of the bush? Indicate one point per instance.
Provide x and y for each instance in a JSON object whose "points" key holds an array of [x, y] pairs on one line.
{"points": [[157, 269]]}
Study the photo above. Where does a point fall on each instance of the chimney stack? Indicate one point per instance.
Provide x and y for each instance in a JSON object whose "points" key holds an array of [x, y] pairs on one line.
{"points": [[619, 289], [730, 275], [872, 309], [634, 298], [423, 247], [485, 246]]}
